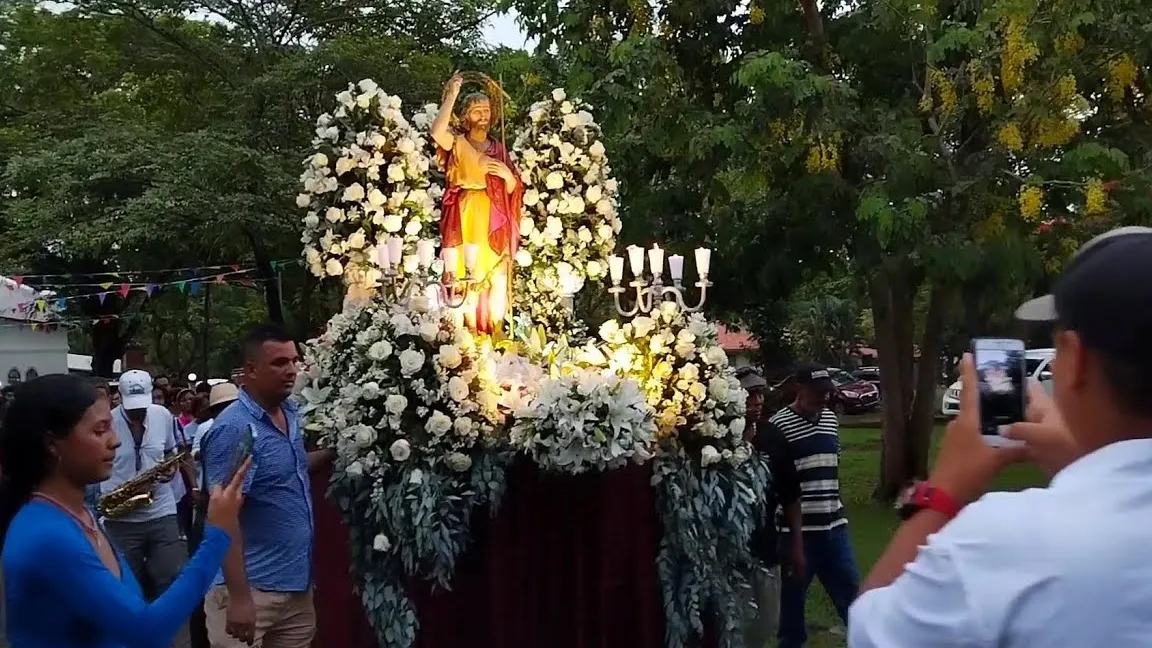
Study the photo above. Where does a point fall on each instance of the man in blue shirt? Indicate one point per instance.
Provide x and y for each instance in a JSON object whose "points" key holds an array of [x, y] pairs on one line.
{"points": [[264, 595]]}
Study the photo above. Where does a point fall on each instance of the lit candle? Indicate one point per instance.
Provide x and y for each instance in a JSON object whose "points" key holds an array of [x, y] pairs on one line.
{"points": [[451, 258], [471, 255], [382, 255], [616, 268], [656, 261], [395, 250], [703, 258], [676, 267], [636, 259], [425, 252]]}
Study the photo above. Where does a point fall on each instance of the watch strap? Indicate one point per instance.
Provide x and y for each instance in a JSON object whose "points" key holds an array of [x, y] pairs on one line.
{"points": [[923, 496]]}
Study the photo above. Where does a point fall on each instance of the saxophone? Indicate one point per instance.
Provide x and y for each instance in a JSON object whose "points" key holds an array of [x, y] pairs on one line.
{"points": [[136, 493]]}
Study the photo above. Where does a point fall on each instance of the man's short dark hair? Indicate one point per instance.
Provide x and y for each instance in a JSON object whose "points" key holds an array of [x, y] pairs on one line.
{"points": [[258, 335], [1129, 380]]}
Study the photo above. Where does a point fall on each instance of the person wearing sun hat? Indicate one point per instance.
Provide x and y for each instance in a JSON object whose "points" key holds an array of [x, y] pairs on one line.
{"points": [[1062, 566]]}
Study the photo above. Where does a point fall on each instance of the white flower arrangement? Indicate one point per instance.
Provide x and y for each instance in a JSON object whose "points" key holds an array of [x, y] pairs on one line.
{"points": [[367, 180], [570, 219], [410, 406], [585, 420], [696, 398]]}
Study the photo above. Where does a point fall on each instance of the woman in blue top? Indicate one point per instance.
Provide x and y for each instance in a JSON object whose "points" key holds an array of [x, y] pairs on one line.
{"points": [[65, 585]]}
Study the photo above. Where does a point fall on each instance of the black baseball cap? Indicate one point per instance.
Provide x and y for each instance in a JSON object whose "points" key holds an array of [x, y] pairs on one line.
{"points": [[815, 376], [1104, 294]]}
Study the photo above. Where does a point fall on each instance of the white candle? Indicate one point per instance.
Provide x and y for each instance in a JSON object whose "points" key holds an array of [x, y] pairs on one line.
{"points": [[676, 267], [395, 250], [703, 258], [471, 255], [451, 258], [636, 259], [616, 268], [382, 254], [656, 261], [425, 252]]}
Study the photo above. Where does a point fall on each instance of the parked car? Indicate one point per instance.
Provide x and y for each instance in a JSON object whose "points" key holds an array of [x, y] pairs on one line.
{"points": [[1037, 364], [868, 374], [852, 395]]}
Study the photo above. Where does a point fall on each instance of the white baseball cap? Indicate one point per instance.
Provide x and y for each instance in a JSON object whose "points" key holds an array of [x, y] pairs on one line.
{"points": [[135, 389]]}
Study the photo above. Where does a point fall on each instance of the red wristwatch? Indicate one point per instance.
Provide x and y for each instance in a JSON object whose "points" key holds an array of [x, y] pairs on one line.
{"points": [[923, 495]]}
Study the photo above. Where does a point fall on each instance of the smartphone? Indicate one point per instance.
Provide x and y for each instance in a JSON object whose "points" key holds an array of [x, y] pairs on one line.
{"points": [[1000, 373], [242, 452]]}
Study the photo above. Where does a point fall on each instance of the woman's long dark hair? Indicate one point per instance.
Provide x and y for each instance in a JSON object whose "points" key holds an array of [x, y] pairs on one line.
{"points": [[41, 409]]}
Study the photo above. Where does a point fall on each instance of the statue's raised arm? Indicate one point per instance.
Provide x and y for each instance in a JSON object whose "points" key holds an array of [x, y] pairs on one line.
{"points": [[442, 125]]}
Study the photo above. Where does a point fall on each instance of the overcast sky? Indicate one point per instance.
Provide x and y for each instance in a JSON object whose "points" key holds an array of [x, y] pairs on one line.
{"points": [[502, 30]]}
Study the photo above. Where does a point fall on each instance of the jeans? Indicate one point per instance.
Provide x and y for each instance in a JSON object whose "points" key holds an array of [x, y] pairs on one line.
{"points": [[829, 557]]}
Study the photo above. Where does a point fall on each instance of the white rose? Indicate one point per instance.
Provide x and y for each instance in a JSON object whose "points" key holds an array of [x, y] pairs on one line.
{"points": [[716, 357], [311, 220], [303, 200], [365, 436], [377, 197], [554, 180], [429, 331], [458, 462], [332, 268], [354, 469], [405, 145], [718, 389], [379, 351], [381, 542], [396, 404], [594, 269], [741, 454], [334, 215], [523, 258], [416, 476], [411, 361], [400, 450], [463, 426], [559, 95], [685, 349], [345, 98], [449, 356], [737, 427], [597, 149], [392, 223], [593, 194], [354, 193], [438, 424], [605, 232], [457, 389], [412, 228], [395, 173], [642, 326], [566, 108], [709, 456], [367, 85], [357, 240], [319, 161]]}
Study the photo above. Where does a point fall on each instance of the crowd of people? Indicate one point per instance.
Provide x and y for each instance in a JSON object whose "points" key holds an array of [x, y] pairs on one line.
{"points": [[218, 553], [1058, 566]]}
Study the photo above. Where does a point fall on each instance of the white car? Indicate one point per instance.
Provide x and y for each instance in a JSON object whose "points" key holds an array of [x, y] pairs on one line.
{"points": [[1037, 364]]}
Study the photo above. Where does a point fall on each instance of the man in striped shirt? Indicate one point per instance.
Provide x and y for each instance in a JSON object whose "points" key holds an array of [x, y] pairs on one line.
{"points": [[812, 434]]}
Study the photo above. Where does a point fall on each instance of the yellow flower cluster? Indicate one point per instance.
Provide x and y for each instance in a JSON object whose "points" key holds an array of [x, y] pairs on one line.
{"points": [[1017, 54], [787, 130], [1065, 89], [824, 155], [990, 228], [1122, 74], [1095, 196], [1055, 263], [1010, 137], [1053, 132], [944, 89], [1069, 43], [756, 15], [1031, 202], [983, 86]]}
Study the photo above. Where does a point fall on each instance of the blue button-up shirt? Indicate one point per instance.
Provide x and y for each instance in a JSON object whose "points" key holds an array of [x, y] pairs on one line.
{"points": [[276, 520]]}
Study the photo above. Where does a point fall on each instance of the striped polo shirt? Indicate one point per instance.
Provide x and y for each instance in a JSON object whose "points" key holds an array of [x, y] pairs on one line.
{"points": [[815, 449]]}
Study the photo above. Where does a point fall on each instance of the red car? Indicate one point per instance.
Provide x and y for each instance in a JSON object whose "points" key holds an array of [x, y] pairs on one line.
{"points": [[852, 395]]}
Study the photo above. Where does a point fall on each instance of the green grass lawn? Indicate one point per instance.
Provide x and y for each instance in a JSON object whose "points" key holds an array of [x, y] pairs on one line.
{"points": [[872, 524]]}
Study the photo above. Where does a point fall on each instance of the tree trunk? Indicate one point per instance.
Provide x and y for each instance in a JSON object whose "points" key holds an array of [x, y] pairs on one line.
{"points": [[270, 279], [108, 345], [909, 391]]}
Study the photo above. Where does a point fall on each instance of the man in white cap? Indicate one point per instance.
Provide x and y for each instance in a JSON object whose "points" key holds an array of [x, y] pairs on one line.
{"points": [[1060, 567], [149, 536]]}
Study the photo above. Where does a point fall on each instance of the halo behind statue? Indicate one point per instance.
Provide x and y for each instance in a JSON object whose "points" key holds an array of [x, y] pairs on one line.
{"points": [[495, 92]]}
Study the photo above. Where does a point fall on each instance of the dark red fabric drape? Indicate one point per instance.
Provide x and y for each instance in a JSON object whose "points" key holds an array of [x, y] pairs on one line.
{"points": [[568, 562]]}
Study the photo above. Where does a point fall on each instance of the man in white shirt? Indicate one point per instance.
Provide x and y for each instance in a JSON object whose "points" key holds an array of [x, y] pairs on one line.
{"points": [[1059, 567], [149, 536]]}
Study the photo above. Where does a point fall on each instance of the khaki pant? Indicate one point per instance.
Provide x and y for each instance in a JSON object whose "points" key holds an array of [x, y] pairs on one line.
{"points": [[283, 619], [763, 613]]}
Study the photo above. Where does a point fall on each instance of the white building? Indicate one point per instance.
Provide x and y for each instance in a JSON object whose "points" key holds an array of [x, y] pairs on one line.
{"points": [[27, 347]]}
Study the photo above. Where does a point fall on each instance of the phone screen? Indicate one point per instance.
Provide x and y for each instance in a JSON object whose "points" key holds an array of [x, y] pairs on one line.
{"points": [[242, 452], [1000, 370]]}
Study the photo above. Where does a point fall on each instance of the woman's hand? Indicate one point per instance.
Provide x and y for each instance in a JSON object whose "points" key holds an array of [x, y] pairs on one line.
{"points": [[224, 503]]}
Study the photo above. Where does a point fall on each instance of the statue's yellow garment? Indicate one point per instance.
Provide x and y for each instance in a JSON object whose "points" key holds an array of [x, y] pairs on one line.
{"points": [[466, 170]]}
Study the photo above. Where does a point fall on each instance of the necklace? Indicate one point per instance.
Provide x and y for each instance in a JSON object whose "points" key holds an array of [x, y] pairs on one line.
{"points": [[88, 525]]}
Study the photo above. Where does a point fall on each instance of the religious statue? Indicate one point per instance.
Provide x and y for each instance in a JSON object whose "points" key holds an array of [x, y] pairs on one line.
{"points": [[482, 202]]}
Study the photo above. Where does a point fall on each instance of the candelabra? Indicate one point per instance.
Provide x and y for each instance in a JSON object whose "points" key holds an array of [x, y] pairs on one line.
{"points": [[405, 280], [649, 293]]}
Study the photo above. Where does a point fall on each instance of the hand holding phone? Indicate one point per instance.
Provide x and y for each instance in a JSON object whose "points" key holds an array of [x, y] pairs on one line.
{"points": [[242, 452], [1000, 372]]}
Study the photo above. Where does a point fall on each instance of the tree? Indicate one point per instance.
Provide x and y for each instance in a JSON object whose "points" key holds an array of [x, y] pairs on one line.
{"points": [[932, 143]]}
